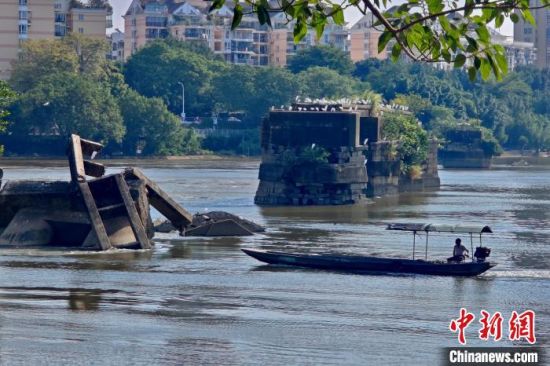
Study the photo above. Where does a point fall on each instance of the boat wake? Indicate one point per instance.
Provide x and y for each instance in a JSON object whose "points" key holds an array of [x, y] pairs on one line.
{"points": [[520, 273]]}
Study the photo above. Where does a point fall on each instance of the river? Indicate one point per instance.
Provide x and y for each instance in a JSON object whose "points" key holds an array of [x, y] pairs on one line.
{"points": [[202, 301]]}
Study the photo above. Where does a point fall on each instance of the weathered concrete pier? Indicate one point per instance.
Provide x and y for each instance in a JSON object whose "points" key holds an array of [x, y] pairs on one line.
{"points": [[464, 149], [330, 154]]}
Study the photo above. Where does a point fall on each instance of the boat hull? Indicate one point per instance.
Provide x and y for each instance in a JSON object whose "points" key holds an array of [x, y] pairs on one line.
{"points": [[359, 264]]}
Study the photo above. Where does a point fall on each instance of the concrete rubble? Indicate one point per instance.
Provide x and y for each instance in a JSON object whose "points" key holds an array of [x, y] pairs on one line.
{"points": [[215, 223], [95, 211]]}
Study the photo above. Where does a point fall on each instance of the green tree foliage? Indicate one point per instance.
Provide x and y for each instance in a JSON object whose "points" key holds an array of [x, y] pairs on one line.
{"points": [[322, 82], [322, 56], [73, 54], [509, 108], [423, 30], [253, 90], [153, 129], [156, 70], [68, 86], [413, 139], [6, 97], [242, 142], [66, 103]]}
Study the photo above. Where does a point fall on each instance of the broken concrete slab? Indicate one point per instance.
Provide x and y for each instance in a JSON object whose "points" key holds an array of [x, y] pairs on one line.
{"points": [[219, 228], [178, 216]]}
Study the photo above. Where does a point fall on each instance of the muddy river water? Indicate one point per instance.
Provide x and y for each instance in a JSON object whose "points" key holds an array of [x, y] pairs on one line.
{"points": [[201, 301]]}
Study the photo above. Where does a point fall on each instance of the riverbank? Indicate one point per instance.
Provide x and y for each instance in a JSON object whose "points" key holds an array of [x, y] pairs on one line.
{"points": [[516, 158], [163, 161]]}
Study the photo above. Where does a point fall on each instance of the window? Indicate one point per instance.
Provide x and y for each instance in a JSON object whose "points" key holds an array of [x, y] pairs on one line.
{"points": [[23, 15], [151, 33], [22, 2], [23, 29], [60, 30], [57, 6], [134, 34], [155, 22], [134, 22], [528, 30], [80, 30], [59, 17], [80, 16]]}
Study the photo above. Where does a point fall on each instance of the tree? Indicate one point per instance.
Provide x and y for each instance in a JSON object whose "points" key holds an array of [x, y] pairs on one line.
{"points": [[321, 82], [323, 56], [413, 140], [73, 54], [254, 90], [152, 129], [38, 58], [6, 97], [156, 70], [423, 30], [65, 103]]}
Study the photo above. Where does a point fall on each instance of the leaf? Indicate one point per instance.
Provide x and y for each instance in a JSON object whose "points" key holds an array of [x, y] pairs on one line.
{"points": [[395, 52], [477, 62], [445, 23], [300, 30], [502, 62], [494, 66], [472, 45], [320, 28], [499, 21], [216, 4], [237, 16], [528, 16], [469, 8], [383, 40], [338, 15], [483, 33], [263, 14], [488, 14], [288, 8], [472, 73], [460, 59], [485, 69], [446, 55], [435, 6]]}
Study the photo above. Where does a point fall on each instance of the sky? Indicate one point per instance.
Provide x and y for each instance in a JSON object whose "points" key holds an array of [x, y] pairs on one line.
{"points": [[351, 15]]}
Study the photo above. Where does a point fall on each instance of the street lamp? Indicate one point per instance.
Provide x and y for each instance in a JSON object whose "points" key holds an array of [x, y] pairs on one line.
{"points": [[182, 102]]}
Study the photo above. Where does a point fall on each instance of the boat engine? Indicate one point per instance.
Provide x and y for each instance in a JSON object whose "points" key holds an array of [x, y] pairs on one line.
{"points": [[481, 253]]}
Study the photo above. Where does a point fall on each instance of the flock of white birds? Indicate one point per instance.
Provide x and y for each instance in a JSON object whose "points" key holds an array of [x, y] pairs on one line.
{"points": [[338, 105]]}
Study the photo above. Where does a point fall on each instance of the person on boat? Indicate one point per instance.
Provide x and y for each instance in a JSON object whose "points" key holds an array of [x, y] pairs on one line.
{"points": [[459, 252]]}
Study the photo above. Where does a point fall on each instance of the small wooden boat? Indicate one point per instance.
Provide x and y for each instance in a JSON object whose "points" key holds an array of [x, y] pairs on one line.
{"points": [[367, 264]]}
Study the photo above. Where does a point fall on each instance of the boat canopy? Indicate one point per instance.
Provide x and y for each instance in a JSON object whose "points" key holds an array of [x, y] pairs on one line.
{"points": [[441, 228]]}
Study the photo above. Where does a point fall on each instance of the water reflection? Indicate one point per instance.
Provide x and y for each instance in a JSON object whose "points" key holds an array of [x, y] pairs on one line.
{"points": [[84, 300], [75, 299], [380, 208]]}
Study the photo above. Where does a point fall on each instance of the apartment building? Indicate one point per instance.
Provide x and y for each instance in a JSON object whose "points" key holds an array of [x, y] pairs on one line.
{"points": [[540, 35], [116, 49], [249, 44], [363, 40], [21, 20]]}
